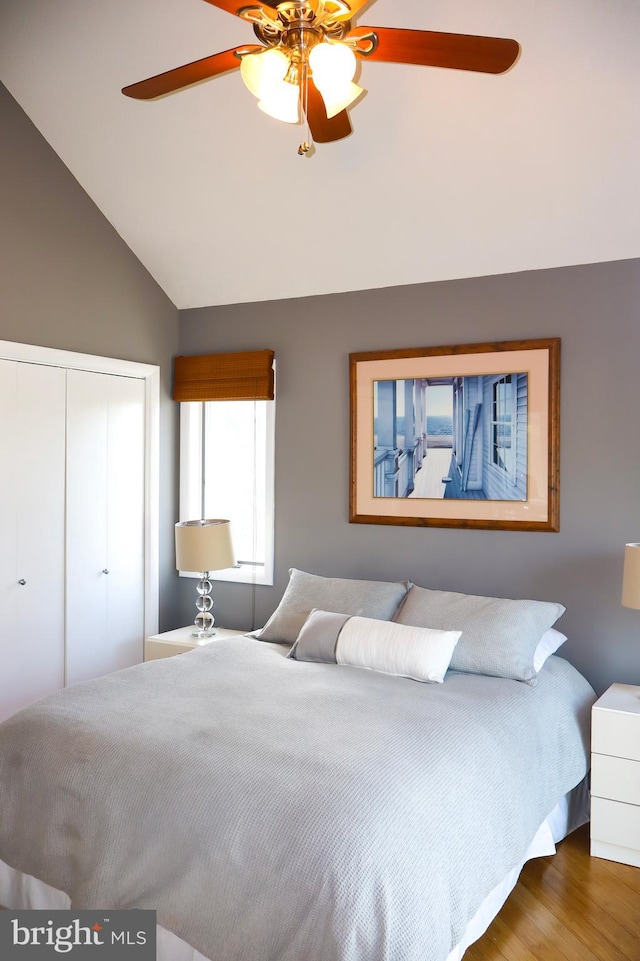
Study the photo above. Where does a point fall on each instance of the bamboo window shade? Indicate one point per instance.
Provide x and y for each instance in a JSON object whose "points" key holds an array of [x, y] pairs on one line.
{"points": [[243, 376]]}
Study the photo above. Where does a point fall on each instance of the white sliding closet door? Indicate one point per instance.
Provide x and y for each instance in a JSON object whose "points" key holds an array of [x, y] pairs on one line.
{"points": [[32, 479], [105, 523]]}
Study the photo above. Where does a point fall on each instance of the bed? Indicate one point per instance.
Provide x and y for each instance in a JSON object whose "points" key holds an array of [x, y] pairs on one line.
{"points": [[292, 807]]}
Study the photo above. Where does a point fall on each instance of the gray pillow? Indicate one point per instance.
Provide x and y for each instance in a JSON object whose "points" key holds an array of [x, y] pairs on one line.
{"points": [[379, 599], [499, 636]]}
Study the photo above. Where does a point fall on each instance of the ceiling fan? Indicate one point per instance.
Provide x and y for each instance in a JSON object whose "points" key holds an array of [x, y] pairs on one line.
{"points": [[307, 58]]}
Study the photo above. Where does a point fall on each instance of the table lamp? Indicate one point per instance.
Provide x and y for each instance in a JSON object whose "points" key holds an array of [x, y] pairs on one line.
{"points": [[631, 576], [204, 546]]}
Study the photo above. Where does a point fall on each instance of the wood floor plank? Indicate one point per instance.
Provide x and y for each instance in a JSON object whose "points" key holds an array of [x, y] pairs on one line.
{"points": [[624, 873], [509, 944], [528, 932], [571, 946], [599, 930], [485, 949], [568, 907], [604, 885]]}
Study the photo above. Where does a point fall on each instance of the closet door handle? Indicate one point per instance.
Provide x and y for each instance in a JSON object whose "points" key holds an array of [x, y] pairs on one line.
{"points": [[22, 582], [105, 570]]}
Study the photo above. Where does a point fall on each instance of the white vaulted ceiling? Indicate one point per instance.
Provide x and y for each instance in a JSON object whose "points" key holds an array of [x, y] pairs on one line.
{"points": [[447, 174]]}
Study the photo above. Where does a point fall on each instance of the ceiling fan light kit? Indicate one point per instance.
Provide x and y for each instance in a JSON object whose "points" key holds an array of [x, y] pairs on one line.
{"points": [[333, 67], [303, 71], [262, 70], [282, 102]]}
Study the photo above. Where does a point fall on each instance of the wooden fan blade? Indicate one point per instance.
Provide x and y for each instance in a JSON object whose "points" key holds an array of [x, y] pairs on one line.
{"points": [[190, 73], [323, 129], [354, 6], [234, 6], [425, 48]]}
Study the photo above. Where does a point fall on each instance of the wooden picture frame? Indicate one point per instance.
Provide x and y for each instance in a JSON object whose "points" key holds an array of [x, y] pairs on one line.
{"points": [[465, 436]]}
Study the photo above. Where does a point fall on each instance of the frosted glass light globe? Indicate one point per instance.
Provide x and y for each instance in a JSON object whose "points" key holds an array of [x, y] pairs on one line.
{"points": [[333, 66], [262, 71], [282, 102]]}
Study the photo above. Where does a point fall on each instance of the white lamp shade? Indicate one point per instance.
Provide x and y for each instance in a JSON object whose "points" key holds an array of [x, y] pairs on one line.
{"points": [[333, 66], [261, 71], [339, 98], [204, 545], [631, 577], [282, 102]]}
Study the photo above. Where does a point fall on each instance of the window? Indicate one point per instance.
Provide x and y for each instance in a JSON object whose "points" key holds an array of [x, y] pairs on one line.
{"points": [[503, 423], [227, 470]]}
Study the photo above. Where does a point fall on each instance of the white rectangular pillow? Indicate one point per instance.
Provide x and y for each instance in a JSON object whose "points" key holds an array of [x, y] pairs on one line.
{"points": [[419, 653]]}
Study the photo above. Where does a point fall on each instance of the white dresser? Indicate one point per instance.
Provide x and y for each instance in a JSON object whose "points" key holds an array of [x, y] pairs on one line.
{"points": [[615, 775]]}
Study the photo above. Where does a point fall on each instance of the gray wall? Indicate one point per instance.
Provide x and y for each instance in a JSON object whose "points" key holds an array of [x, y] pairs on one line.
{"points": [[594, 309], [67, 280]]}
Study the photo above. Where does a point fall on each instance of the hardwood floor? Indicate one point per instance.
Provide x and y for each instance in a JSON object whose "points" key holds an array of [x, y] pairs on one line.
{"points": [[568, 907]]}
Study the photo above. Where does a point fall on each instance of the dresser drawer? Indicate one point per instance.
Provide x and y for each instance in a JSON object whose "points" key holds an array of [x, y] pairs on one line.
{"points": [[616, 733], [615, 823], [615, 778]]}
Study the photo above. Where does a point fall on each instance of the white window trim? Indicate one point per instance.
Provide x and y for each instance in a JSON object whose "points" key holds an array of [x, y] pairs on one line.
{"points": [[191, 492], [511, 475]]}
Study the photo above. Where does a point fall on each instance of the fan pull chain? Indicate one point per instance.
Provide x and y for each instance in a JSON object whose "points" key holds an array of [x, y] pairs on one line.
{"points": [[305, 146]]}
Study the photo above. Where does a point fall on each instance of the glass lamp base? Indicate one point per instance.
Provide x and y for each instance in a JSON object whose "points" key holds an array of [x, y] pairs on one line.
{"points": [[204, 619]]}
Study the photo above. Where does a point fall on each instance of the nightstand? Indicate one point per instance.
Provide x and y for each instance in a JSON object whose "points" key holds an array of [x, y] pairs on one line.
{"points": [[180, 641], [615, 775]]}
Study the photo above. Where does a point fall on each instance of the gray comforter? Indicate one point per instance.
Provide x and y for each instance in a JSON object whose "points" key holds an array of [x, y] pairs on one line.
{"points": [[284, 811]]}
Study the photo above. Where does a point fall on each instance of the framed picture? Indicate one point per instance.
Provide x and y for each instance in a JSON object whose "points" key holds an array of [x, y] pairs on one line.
{"points": [[464, 436]]}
